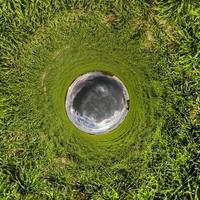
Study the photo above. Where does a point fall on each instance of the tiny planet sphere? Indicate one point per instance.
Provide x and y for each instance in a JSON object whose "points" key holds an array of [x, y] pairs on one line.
{"points": [[96, 102]]}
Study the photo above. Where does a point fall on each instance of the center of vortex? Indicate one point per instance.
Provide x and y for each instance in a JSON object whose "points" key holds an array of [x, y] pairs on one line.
{"points": [[96, 102]]}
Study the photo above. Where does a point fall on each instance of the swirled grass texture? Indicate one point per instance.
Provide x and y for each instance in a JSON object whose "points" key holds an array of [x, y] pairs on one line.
{"points": [[100, 52], [45, 46]]}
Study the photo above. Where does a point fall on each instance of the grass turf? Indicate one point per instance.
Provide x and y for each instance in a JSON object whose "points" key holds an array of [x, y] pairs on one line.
{"points": [[152, 46]]}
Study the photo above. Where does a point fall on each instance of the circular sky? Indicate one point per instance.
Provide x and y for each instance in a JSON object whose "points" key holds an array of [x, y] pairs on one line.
{"points": [[97, 103]]}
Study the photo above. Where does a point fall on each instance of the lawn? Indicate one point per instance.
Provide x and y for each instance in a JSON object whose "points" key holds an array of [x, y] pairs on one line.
{"points": [[153, 46]]}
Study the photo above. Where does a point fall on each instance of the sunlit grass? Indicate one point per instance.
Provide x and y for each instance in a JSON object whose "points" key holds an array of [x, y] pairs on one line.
{"points": [[152, 46]]}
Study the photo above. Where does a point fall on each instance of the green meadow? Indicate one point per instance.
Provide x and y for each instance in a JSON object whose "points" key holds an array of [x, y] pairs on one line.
{"points": [[153, 46]]}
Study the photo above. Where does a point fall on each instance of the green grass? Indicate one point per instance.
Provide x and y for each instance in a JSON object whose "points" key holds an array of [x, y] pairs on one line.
{"points": [[152, 46]]}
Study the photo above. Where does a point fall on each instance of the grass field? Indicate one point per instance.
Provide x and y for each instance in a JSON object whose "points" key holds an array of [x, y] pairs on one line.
{"points": [[152, 46]]}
